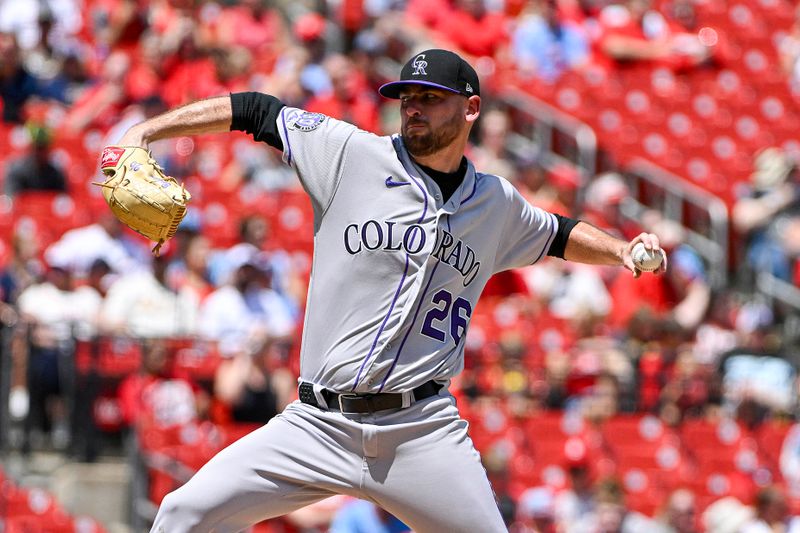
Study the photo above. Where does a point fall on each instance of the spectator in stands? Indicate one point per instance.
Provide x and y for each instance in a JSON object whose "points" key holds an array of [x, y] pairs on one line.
{"points": [[104, 239], [117, 25], [603, 198], [24, 20], [473, 29], [138, 111], [148, 68], [255, 171], [36, 171], [68, 84], [756, 384], [350, 98], [143, 304], [429, 13], [17, 85], [552, 188], [610, 514], [255, 384], [47, 312], [188, 273], [491, 152], [576, 502], [309, 30], [679, 514], [241, 313], [359, 516], [772, 514], [683, 296], [24, 268], [535, 512], [101, 105], [158, 397], [726, 515], [88, 298], [764, 215], [43, 61], [634, 32], [600, 400], [253, 24], [255, 234], [544, 46]]}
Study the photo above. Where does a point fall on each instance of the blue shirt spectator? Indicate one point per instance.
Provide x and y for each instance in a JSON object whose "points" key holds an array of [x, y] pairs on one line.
{"points": [[545, 47], [361, 516]]}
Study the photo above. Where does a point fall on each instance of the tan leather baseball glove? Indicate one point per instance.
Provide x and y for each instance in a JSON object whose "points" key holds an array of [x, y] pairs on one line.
{"points": [[140, 195]]}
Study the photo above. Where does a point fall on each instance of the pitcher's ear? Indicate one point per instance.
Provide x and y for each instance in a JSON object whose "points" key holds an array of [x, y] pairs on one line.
{"points": [[473, 108]]}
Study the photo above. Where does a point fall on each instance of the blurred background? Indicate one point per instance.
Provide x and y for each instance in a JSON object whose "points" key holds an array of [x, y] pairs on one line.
{"points": [[599, 403]]}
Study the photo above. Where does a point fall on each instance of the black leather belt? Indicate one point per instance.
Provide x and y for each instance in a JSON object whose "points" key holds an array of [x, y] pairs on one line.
{"points": [[365, 403]]}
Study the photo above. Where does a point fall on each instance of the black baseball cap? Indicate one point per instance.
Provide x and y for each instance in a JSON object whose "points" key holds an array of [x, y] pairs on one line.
{"points": [[436, 68]]}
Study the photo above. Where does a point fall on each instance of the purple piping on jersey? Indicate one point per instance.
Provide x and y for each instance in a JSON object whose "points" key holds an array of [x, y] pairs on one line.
{"points": [[383, 324], [414, 320], [549, 240], [474, 188], [396, 292], [286, 134]]}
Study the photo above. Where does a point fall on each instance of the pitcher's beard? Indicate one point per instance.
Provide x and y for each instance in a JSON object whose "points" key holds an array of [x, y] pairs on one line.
{"points": [[430, 142]]}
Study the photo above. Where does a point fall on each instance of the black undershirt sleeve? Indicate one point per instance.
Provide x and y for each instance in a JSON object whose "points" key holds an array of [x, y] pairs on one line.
{"points": [[257, 114], [559, 244]]}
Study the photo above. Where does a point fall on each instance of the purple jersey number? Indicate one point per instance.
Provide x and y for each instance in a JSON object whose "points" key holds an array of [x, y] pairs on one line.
{"points": [[458, 322]]}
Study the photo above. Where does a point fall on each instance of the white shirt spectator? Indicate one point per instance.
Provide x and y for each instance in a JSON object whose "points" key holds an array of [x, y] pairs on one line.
{"points": [[22, 19], [87, 303], [756, 525], [52, 310], [137, 304], [80, 247], [234, 319]]}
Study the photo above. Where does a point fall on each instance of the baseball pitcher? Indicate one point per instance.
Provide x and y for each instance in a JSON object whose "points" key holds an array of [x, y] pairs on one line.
{"points": [[407, 233]]}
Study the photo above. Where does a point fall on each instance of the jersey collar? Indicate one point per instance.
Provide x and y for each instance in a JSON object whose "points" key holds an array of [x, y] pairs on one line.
{"points": [[462, 194]]}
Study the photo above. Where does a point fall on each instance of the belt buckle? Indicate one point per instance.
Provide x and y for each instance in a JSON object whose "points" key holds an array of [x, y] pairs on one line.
{"points": [[347, 397]]}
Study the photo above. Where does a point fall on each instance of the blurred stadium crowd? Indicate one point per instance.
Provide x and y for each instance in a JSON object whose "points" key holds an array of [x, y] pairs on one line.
{"points": [[600, 403]]}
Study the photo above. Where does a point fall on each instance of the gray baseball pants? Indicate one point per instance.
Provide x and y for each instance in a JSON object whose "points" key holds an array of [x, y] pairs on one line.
{"points": [[417, 463]]}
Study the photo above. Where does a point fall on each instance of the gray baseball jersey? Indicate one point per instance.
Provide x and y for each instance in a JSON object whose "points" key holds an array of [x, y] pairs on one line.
{"points": [[396, 275], [397, 271]]}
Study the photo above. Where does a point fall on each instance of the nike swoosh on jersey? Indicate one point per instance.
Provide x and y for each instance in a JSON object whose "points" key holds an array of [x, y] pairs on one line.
{"points": [[390, 183]]}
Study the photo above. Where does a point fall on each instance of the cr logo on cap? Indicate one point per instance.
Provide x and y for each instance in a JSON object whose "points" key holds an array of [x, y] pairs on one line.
{"points": [[419, 65]]}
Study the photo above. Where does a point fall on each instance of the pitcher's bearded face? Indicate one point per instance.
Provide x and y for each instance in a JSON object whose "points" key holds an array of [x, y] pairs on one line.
{"points": [[431, 119]]}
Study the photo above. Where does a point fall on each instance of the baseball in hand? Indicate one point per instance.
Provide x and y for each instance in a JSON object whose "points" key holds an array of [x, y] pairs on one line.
{"points": [[646, 260]]}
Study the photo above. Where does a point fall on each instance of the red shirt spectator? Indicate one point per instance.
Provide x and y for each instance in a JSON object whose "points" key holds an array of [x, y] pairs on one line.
{"points": [[474, 30], [430, 13], [351, 99], [157, 397], [252, 25], [147, 71], [634, 33], [630, 295], [190, 81], [102, 105]]}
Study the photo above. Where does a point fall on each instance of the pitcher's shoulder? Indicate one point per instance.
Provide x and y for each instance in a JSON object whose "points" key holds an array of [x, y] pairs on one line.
{"points": [[494, 184]]}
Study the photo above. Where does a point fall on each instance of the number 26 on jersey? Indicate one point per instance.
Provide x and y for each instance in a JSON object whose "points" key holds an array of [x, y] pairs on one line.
{"points": [[447, 314]]}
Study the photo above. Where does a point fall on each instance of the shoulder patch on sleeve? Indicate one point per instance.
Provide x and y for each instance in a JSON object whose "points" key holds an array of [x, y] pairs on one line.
{"points": [[307, 121]]}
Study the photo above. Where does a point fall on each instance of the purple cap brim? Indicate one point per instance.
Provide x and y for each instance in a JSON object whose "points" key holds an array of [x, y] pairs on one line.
{"points": [[392, 89]]}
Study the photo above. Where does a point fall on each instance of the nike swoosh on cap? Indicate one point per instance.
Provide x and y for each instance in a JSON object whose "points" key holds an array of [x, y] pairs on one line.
{"points": [[390, 183]]}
